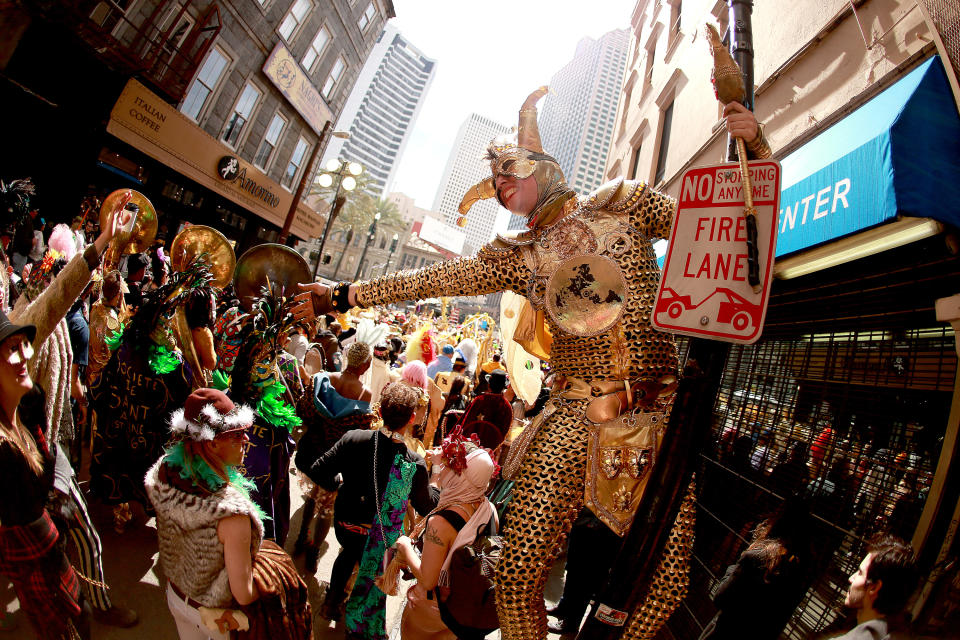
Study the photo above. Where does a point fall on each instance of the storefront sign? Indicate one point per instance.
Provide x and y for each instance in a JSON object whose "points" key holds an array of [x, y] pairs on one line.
{"points": [[704, 290], [894, 156], [284, 72], [143, 120], [234, 170]]}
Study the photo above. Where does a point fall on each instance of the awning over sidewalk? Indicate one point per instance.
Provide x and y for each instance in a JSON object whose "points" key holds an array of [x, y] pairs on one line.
{"points": [[897, 155]]}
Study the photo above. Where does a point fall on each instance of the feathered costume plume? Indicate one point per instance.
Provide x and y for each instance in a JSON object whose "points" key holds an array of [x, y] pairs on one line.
{"points": [[256, 377], [151, 327], [15, 196]]}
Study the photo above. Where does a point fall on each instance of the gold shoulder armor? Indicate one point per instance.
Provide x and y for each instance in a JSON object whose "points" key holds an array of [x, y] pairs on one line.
{"points": [[620, 196], [599, 198], [503, 246]]}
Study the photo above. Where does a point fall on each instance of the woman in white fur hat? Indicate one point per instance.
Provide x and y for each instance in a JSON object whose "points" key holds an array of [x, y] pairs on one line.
{"points": [[208, 527]]}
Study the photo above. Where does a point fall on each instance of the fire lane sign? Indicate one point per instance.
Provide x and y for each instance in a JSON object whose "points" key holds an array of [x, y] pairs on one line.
{"points": [[704, 290]]}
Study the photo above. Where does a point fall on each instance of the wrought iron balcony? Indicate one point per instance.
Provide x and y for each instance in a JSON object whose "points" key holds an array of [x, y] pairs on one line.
{"points": [[162, 42]]}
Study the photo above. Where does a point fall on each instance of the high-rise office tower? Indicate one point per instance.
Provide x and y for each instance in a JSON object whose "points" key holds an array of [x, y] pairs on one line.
{"points": [[577, 118], [466, 167], [382, 108]]}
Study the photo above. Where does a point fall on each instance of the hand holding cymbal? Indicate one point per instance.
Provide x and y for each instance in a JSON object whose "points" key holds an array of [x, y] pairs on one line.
{"points": [[313, 302]]}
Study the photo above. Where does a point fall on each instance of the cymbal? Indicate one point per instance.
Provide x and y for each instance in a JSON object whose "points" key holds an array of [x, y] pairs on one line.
{"points": [[272, 263], [216, 249]]}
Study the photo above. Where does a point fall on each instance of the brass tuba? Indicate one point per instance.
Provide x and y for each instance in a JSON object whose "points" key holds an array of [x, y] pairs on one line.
{"points": [[137, 235], [213, 248], [275, 266]]}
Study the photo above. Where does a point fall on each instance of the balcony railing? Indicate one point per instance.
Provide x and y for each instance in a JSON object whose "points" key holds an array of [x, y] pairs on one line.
{"points": [[161, 42]]}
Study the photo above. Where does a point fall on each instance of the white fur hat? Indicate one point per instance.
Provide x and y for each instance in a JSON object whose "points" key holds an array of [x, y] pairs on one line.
{"points": [[206, 414]]}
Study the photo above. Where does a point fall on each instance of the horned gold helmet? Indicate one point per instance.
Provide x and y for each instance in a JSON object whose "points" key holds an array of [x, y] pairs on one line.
{"points": [[520, 158]]}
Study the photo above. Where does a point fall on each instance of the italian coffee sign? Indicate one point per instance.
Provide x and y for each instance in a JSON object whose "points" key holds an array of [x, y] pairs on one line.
{"points": [[147, 122]]}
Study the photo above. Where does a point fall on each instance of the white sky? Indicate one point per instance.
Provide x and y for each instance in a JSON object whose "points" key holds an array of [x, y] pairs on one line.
{"points": [[490, 55]]}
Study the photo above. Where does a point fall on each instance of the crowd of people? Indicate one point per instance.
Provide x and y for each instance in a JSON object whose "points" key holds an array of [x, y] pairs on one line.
{"points": [[197, 404], [380, 411]]}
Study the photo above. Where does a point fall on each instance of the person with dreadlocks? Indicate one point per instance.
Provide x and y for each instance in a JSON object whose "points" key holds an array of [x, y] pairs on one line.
{"points": [[257, 378], [218, 567], [589, 272], [145, 380]]}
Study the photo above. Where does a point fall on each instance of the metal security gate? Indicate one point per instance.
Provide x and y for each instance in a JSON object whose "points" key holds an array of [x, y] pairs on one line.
{"points": [[844, 401]]}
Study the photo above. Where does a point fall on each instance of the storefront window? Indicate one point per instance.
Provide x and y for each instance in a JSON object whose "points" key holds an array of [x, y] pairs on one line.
{"points": [[269, 142], [172, 191], [852, 421], [204, 84], [241, 114], [267, 235]]}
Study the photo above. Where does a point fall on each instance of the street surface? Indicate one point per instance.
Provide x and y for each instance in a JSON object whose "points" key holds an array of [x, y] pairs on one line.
{"points": [[130, 564]]}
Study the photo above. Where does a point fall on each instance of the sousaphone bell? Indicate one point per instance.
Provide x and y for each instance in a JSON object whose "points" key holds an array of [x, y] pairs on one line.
{"points": [[212, 247]]}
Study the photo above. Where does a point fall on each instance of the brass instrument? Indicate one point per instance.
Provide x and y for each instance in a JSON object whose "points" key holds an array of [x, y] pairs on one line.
{"points": [[213, 246], [137, 235], [275, 266], [215, 250]]}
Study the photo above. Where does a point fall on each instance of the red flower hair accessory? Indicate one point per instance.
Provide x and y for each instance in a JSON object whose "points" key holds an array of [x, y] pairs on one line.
{"points": [[455, 451]]}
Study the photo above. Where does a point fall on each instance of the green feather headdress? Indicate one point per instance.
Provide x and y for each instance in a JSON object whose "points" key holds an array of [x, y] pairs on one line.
{"points": [[255, 374]]}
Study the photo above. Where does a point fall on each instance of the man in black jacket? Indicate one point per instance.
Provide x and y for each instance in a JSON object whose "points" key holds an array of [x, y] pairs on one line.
{"points": [[352, 457]]}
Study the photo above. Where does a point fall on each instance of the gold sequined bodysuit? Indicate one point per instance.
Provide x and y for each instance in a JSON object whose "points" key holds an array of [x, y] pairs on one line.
{"points": [[615, 224]]}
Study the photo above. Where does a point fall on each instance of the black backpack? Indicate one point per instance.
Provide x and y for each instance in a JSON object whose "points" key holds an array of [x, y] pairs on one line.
{"points": [[471, 600]]}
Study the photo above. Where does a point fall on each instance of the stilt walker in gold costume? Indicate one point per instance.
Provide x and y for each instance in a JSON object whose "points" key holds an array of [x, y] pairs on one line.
{"points": [[588, 268]]}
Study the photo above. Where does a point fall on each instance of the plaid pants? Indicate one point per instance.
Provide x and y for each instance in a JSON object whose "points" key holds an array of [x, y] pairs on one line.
{"points": [[42, 577]]}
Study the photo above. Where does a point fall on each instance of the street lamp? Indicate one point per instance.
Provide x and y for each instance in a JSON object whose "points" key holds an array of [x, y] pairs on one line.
{"points": [[366, 245], [345, 175], [393, 247]]}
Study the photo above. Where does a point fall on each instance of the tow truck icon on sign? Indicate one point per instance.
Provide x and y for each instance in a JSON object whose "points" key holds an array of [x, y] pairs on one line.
{"points": [[723, 306]]}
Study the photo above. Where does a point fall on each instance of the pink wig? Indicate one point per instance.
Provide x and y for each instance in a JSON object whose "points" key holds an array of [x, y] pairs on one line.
{"points": [[415, 373], [61, 240]]}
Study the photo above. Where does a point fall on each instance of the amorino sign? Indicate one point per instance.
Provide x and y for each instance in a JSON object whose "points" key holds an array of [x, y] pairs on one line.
{"points": [[232, 170]]}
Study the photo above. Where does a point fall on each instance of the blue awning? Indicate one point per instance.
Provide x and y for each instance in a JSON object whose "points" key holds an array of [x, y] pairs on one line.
{"points": [[898, 154]]}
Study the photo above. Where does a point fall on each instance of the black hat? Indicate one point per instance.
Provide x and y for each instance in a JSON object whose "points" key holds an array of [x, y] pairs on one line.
{"points": [[136, 262], [497, 380], [8, 329]]}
